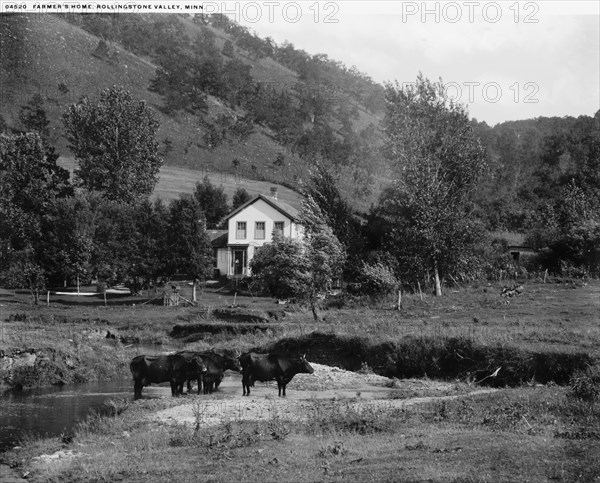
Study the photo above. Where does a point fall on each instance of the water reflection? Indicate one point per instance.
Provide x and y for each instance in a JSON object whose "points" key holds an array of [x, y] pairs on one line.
{"points": [[52, 411]]}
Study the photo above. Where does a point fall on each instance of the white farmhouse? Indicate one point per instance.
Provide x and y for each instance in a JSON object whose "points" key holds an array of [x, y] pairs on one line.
{"points": [[250, 226]]}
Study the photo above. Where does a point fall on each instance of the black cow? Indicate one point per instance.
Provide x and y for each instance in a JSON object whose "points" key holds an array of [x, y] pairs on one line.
{"points": [[173, 368], [216, 364], [266, 367]]}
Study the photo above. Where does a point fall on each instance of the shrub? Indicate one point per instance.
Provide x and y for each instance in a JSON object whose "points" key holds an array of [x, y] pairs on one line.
{"points": [[374, 279], [585, 385]]}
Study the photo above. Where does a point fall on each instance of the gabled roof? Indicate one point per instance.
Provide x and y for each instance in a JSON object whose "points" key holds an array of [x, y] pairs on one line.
{"points": [[287, 210], [218, 238]]}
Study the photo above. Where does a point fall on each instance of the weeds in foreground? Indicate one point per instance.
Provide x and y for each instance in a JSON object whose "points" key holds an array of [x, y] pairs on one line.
{"points": [[343, 417], [585, 385]]}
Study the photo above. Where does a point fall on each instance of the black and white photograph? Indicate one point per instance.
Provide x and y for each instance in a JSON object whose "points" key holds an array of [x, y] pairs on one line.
{"points": [[299, 241]]}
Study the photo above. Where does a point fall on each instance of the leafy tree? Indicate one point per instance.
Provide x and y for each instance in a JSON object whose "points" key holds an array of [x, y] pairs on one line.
{"points": [[242, 128], [24, 271], [69, 233], [301, 269], [324, 252], [326, 257], [240, 197], [114, 141], [228, 49], [29, 185], [439, 162], [113, 258], [151, 251], [279, 160], [33, 117], [190, 251], [281, 268], [212, 201], [322, 188]]}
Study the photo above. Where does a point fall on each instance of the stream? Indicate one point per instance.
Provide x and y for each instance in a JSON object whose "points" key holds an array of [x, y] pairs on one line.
{"points": [[51, 411]]}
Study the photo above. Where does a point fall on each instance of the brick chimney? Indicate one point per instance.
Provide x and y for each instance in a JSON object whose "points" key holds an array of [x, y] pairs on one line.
{"points": [[274, 192]]}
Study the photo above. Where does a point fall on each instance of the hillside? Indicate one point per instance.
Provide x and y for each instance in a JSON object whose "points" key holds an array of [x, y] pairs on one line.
{"points": [[174, 180], [47, 55], [253, 113]]}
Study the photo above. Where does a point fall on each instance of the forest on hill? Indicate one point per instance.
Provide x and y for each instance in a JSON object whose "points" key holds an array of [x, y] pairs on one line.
{"points": [[229, 101]]}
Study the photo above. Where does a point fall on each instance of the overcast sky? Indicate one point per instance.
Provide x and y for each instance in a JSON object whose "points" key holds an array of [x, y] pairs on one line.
{"points": [[505, 60]]}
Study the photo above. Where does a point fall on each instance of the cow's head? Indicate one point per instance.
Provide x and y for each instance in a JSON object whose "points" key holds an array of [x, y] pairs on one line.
{"points": [[304, 366], [233, 363]]}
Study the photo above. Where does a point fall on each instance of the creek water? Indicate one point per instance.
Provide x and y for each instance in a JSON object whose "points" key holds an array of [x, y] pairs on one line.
{"points": [[55, 410]]}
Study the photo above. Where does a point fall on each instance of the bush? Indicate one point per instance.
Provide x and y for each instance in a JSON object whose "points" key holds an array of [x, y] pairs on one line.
{"points": [[374, 279], [585, 385]]}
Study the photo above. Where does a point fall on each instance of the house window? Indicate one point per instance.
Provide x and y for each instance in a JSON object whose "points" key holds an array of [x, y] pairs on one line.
{"points": [[241, 230], [259, 230], [278, 228]]}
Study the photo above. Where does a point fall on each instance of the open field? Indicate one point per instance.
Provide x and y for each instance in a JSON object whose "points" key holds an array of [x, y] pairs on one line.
{"points": [[527, 434], [554, 316], [174, 181], [407, 429]]}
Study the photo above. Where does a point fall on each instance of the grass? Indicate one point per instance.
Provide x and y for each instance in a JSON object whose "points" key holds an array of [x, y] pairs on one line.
{"points": [[529, 434], [550, 322]]}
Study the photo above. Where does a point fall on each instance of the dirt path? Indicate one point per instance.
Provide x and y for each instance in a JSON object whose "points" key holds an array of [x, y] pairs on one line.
{"points": [[357, 391]]}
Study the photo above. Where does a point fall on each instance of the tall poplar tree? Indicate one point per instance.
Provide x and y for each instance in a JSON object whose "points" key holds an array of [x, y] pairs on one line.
{"points": [[439, 161], [114, 141]]}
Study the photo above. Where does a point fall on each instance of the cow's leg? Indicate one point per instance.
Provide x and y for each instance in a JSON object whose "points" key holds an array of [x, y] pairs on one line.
{"points": [[174, 388], [199, 384], [189, 385], [245, 385], [137, 389]]}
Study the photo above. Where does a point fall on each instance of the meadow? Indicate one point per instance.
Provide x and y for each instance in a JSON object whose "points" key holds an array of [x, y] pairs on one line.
{"points": [[526, 430]]}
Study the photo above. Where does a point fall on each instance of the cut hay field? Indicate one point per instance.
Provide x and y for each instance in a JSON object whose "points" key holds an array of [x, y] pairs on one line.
{"points": [[174, 181]]}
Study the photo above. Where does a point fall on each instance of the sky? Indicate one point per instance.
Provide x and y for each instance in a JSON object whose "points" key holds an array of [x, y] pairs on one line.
{"points": [[504, 60]]}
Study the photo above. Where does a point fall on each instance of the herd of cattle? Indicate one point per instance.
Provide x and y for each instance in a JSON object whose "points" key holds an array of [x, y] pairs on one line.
{"points": [[208, 368]]}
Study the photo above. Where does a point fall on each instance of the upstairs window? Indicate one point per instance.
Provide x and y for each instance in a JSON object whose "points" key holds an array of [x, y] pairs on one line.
{"points": [[240, 232], [259, 230]]}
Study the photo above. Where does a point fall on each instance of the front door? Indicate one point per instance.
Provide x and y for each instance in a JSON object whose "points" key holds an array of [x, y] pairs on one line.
{"points": [[239, 261]]}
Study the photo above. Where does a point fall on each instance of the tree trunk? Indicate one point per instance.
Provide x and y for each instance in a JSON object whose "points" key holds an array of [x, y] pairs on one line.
{"points": [[194, 291], [436, 274], [315, 312]]}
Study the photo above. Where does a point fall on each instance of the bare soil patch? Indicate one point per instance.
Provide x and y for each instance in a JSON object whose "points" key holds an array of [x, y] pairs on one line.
{"points": [[358, 391]]}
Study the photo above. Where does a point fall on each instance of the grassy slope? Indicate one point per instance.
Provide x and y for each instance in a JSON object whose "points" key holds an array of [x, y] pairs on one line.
{"points": [[174, 180], [59, 52]]}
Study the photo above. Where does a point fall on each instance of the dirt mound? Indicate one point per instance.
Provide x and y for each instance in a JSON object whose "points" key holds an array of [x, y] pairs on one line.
{"points": [[327, 377]]}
